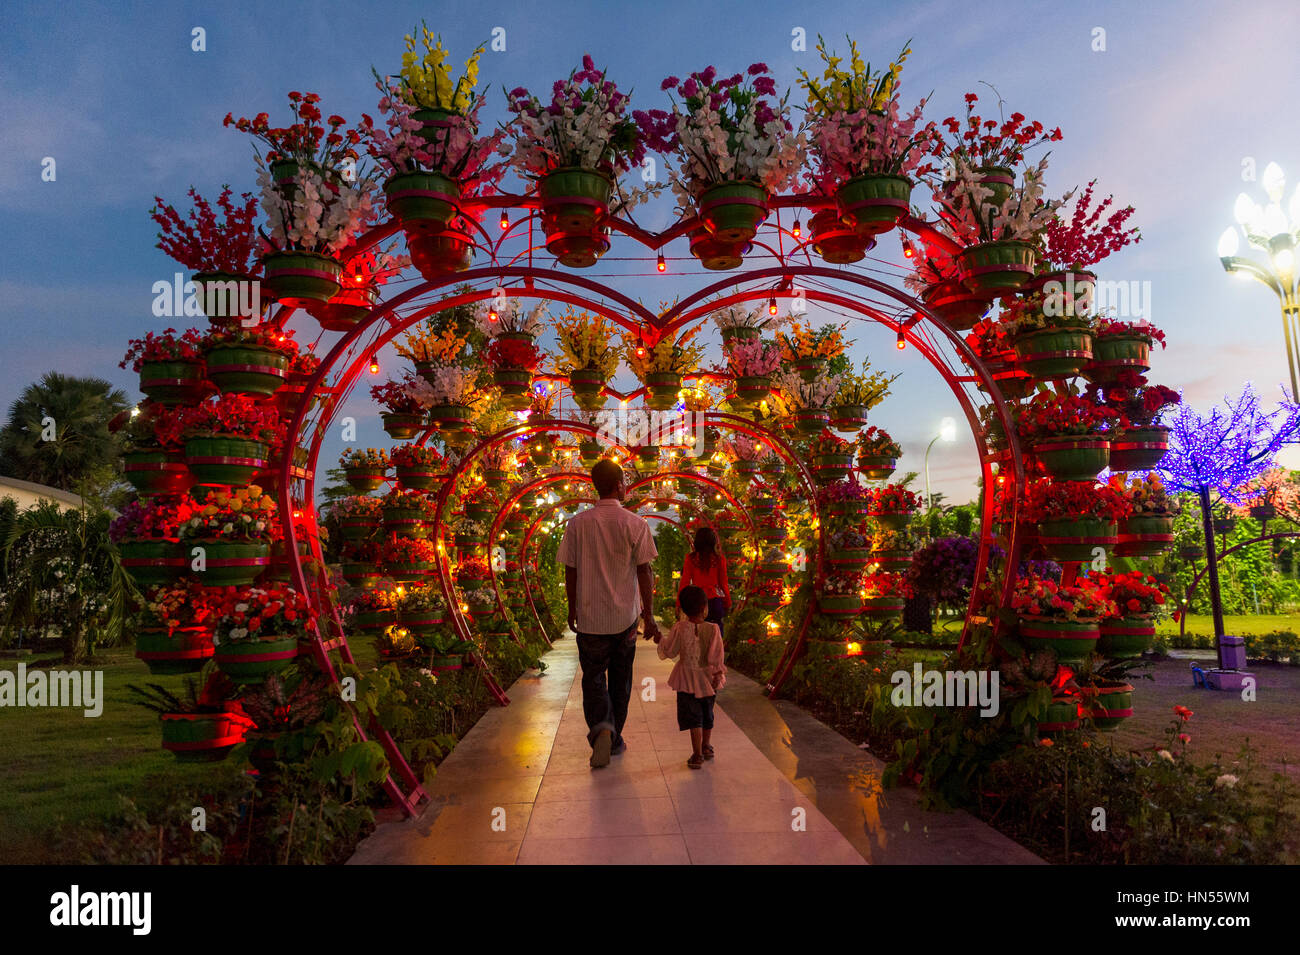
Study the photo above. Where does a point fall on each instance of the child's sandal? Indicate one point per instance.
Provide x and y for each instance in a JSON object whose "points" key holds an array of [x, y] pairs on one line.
{"points": [[708, 752], [695, 762]]}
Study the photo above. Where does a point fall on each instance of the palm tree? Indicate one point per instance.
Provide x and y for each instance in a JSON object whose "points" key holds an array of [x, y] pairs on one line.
{"points": [[57, 433], [61, 569]]}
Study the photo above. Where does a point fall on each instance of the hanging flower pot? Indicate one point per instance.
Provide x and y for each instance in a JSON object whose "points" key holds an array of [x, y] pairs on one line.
{"points": [[874, 204], [174, 382], [232, 563], [771, 533], [740, 333], [775, 568], [662, 388], [182, 650], [541, 450], [362, 574], [358, 528], [419, 478], [647, 457], [404, 572], [1191, 552], [767, 602], [514, 384], [1124, 638], [1010, 380], [1053, 353], [829, 468], [849, 558], [219, 295], [401, 426], [1145, 536], [848, 418], [1108, 704], [439, 254], [848, 508], [894, 521], [249, 662], [880, 608], [994, 268], [839, 603], [876, 467], [1073, 458], [406, 522], [1069, 639], [715, 254], [574, 200], [578, 250], [204, 737], [954, 304], [835, 242], [587, 385], [1224, 525], [751, 389], [745, 466], [299, 279], [810, 420], [246, 369], [423, 202], [772, 467], [1062, 713], [365, 478], [157, 472], [350, 307], [732, 211], [1263, 512], [589, 452], [1077, 539], [1139, 449], [224, 461], [810, 369], [480, 512], [449, 418], [1112, 354], [892, 560]]}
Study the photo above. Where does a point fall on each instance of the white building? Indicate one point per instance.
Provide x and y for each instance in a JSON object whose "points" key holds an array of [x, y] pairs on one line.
{"points": [[29, 493]]}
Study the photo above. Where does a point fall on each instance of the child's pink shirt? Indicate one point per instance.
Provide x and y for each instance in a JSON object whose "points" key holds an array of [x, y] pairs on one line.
{"points": [[698, 649]]}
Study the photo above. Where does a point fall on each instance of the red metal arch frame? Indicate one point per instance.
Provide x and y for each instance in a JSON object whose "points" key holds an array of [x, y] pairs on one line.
{"points": [[660, 325]]}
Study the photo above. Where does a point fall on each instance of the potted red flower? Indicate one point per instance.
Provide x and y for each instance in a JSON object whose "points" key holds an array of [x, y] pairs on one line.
{"points": [[228, 438], [233, 531], [223, 255], [841, 593], [170, 366], [249, 361], [892, 505], [407, 559], [1074, 517], [832, 457], [1141, 441], [1063, 619], [420, 468], [1069, 434], [373, 611], [258, 629], [513, 363], [175, 630], [408, 513], [1135, 600], [878, 454], [147, 535], [884, 593]]}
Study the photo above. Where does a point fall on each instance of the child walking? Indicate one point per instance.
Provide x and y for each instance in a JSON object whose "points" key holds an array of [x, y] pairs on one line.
{"points": [[698, 674]]}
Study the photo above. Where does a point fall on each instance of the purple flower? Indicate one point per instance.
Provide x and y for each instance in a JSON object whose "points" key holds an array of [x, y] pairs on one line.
{"points": [[765, 86], [707, 76], [669, 83], [757, 68], [690, 88], [519, 93], [588, 63]]}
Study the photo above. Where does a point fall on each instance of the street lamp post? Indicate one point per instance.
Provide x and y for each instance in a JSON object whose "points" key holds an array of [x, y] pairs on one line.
{"points": [[948, 433], [1276, 233]]}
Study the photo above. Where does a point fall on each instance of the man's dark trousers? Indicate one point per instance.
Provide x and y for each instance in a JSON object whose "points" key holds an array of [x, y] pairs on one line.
{"points": [[606, 661]]}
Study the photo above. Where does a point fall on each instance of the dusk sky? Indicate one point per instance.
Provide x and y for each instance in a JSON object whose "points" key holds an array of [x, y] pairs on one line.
{"points": [[1185, 99]]}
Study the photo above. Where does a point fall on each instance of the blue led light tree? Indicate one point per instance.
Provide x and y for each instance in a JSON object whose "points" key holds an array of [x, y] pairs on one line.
{"points": [[1221, 452]]}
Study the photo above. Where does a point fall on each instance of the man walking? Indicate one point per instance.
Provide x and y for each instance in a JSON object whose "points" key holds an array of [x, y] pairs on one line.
{"points": [[606, 553]]}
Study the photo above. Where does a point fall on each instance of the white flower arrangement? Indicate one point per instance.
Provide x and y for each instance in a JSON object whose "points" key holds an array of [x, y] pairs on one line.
{"points": [[973, 218], [451, 385], [322, 216], [738, 316], [800, 394], [510, 317]]}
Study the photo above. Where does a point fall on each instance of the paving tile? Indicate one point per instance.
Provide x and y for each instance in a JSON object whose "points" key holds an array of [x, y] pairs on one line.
{"points": [[613, 850], [602, 818], [622, 783], [762, 848]]}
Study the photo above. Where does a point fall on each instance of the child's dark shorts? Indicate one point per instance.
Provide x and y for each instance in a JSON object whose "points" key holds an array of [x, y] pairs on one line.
{"points": [[694, 712]]}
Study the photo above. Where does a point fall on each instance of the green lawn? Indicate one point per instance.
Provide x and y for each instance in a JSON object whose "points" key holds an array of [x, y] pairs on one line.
{"points": [[1237, 625]]}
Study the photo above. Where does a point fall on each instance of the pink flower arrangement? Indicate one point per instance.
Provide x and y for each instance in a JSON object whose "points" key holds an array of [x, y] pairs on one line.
{"points": [[205, 245], [751, 359], [1084, 239]]}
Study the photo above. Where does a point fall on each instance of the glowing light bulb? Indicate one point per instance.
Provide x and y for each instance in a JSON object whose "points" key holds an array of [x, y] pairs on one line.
{"points": [[902, 340], [1229, 243], [505, 221], [796, 231], [908, 250], [374, 368], [660, 264], [771, 305]]}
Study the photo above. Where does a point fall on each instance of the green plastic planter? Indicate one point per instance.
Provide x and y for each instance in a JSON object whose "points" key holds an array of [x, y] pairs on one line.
{"points": [[365, 478], [249, 662], [373, 621], [662, 389], [173, 382], [1139, 449], [1109, 705], [422, 201], [301, 279], [1077, 539], [810, 369], [402, 427], [203, 737], [151, 562], [574, 200], [810, 421], [515, 384], [1069, 640], [1112, 354], [892, 521], [733, 211], [874, 204], [839, 603], [848, 418], [418, 478], [231, 563], [1145, 536], [408, 522], [1126, 637], [1073, 458], [883, 607], [587, 385], [1061, 714], [362, 574], [752, 389], [224, 461], [157, 472], [246, 369], [743, 333], [992, 268], [1054, 353], [183, 650], [848, 558], [876, 467]]}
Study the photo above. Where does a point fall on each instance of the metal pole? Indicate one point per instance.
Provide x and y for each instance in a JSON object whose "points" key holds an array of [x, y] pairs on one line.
{"points": [[929, 500], [1216, 598]]}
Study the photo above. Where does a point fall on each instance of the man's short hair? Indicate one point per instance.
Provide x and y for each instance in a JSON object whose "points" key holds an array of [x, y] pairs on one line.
{"points": [[606, 476], [693, 600]]}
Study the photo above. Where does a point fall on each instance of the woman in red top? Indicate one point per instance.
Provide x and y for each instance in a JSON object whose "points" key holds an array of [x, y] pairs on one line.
{"points": [[706, 568]]}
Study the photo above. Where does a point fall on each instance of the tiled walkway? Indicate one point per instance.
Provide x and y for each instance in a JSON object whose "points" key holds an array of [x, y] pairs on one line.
{"points": [[518, 789]]}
